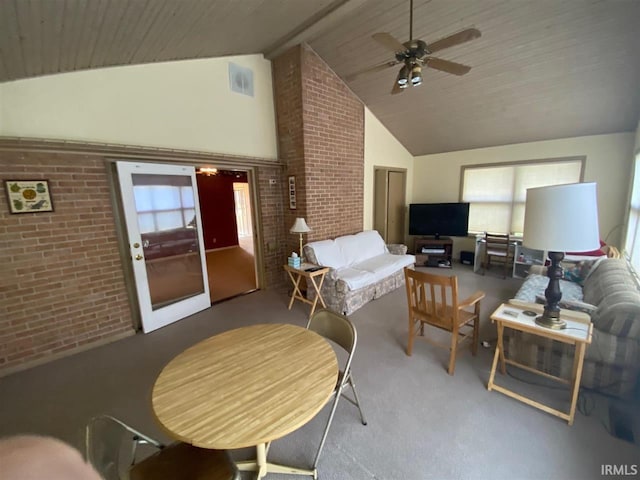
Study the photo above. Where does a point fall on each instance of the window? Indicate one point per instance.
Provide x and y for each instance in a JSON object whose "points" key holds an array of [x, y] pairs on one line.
{"points": [[497, 192], [243, 208], [632, 240], [163, 207]]}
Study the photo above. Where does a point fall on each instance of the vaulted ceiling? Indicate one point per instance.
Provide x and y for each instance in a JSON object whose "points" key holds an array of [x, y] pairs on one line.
{"points": [[542, 69]]}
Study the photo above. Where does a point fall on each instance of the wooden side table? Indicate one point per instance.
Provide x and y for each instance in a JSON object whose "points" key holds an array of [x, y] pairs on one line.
{"points": [[578, 333], [315, 278]]}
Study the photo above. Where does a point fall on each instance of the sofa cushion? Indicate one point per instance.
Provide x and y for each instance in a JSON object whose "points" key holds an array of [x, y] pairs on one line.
{"points": [[536, 285], [577, 271], [328, 253], [575, 305], [361, 246], [384, 265], [354, 278]]}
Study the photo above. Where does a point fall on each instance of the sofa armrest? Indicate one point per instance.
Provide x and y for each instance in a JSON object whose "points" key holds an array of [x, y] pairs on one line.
{"points": [[397, 248]]}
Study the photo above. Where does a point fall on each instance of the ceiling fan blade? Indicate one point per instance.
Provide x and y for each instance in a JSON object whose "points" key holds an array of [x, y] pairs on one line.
{"points": [[447, 66], [375, 68], [387, 40], [455, 39]]}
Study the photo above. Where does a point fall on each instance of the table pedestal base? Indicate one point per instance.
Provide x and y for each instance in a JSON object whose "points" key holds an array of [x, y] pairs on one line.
{"points": [[262, 467]]}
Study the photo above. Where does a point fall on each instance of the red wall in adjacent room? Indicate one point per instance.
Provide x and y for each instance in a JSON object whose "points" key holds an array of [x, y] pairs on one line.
{"points": [[217, 209]]}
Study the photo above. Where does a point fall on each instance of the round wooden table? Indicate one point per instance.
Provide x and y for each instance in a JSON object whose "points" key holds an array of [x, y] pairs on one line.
{"points": [[246, 387]]}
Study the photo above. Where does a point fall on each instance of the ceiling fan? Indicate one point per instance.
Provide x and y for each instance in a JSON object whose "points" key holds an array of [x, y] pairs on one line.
{"points": [[414, 54]]}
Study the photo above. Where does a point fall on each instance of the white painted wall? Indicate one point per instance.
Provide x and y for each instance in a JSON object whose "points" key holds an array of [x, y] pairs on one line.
{"points": [[381, 149], [609, 164], [182, 105]]}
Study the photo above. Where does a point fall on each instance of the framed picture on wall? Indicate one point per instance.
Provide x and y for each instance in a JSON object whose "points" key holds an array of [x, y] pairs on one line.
{"points": [[292, 192], [28, 196]]}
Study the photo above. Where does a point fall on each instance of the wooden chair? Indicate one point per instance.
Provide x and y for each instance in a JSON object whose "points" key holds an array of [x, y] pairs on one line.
{"points": [[339, 329], [497, 246], [111, 446], [433, 300]]}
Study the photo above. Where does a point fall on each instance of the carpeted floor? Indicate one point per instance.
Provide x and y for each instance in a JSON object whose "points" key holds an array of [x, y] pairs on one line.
{"points": [[231, 272], [423, 423]]}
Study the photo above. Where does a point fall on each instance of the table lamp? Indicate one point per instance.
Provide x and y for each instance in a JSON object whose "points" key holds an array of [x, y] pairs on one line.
{"points": [[300, 226], [557, 219]]}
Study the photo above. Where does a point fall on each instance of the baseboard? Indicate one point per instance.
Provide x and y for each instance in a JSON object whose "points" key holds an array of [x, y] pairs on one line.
{"points": [[55, 356]]}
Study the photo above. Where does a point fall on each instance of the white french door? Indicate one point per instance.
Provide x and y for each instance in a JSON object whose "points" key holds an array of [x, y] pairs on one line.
{"points": [[162, 216]]}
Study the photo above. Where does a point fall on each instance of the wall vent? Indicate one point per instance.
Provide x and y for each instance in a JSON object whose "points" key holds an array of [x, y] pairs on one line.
{"points": [[241, 79]]}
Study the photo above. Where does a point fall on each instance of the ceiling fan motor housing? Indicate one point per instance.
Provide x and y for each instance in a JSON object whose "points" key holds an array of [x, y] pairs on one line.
{"points": [[415, 49]]}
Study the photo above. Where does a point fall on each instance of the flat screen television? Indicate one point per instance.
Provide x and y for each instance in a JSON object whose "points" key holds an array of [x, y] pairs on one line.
{"points": [[449, 219]]}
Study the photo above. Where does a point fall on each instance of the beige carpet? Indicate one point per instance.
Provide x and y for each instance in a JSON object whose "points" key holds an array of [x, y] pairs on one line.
{"points": [[423, 423]]}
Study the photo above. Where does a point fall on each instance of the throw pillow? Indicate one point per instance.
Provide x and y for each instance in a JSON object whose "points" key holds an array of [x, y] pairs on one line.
{"points": [[576, 271], [575, 305]]}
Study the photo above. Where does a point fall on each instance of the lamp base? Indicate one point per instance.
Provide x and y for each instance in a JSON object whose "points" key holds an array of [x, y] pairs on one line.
{"points": [[553, 323]]}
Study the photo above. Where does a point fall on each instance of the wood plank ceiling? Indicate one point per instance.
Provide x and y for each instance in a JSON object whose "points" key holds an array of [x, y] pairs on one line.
{"points": [[543, 69]]}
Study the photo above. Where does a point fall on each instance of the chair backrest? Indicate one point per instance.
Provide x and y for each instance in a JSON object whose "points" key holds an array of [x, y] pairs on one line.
{"points": [[334, 326], [496, 243], [337, 328], [110, 446], [433, 298]]}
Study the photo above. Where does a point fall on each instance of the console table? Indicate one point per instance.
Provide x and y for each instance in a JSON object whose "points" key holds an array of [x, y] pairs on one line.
{"points": [[578, 333], [433, 252]]}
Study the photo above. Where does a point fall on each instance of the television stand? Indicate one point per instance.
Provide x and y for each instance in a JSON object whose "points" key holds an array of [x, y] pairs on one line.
{"points": [[433, 252]]}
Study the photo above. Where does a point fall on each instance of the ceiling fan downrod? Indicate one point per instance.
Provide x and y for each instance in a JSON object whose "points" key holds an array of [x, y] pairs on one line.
{"points": [[410, 20]]}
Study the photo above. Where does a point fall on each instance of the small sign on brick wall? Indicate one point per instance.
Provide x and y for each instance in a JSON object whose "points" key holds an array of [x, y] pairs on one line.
{"points": [[28, 196], [292, 192]]}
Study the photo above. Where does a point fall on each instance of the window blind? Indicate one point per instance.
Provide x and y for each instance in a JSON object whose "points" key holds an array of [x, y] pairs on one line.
{"points": [[497, 193]]}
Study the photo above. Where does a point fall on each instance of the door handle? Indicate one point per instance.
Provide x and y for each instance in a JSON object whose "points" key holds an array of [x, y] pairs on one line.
{"points": [[138, 257]]}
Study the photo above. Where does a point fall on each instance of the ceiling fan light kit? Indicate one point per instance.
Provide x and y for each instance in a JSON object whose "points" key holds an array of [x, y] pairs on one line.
{"points": [[403, 77], [416, 75], [414, 54]]}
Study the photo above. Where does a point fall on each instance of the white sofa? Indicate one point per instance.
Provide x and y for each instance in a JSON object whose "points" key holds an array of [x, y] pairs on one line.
{"points": [[362, 268]]}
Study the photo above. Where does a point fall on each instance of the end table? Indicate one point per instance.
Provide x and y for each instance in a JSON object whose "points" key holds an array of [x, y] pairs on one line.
{"points": [[578, 333], [315, 276]]}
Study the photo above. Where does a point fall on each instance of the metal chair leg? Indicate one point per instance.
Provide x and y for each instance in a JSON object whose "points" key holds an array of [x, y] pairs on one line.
{"points": [[357, 402], [326, 429]]}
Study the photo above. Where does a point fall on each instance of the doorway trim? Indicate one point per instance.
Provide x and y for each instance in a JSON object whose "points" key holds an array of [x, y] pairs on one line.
{"points": [[377, 199], [121, 233]]}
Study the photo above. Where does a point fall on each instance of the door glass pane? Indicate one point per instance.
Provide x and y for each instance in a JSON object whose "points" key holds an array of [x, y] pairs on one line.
{"points": [[165, 209]]}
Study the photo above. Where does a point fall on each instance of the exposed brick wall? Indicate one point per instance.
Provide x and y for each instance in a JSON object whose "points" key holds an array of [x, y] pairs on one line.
{"points": [[288, 100], [272, 223], [61, 281], [321, 140], [333, 119]]}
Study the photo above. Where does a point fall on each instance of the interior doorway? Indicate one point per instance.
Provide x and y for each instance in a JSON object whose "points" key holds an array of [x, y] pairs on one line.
{"points": [[389, 203], [228, 230]]}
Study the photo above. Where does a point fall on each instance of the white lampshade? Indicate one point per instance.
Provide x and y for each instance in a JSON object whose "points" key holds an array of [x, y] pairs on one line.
{"points": [[300, 226], [562, 218]]}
